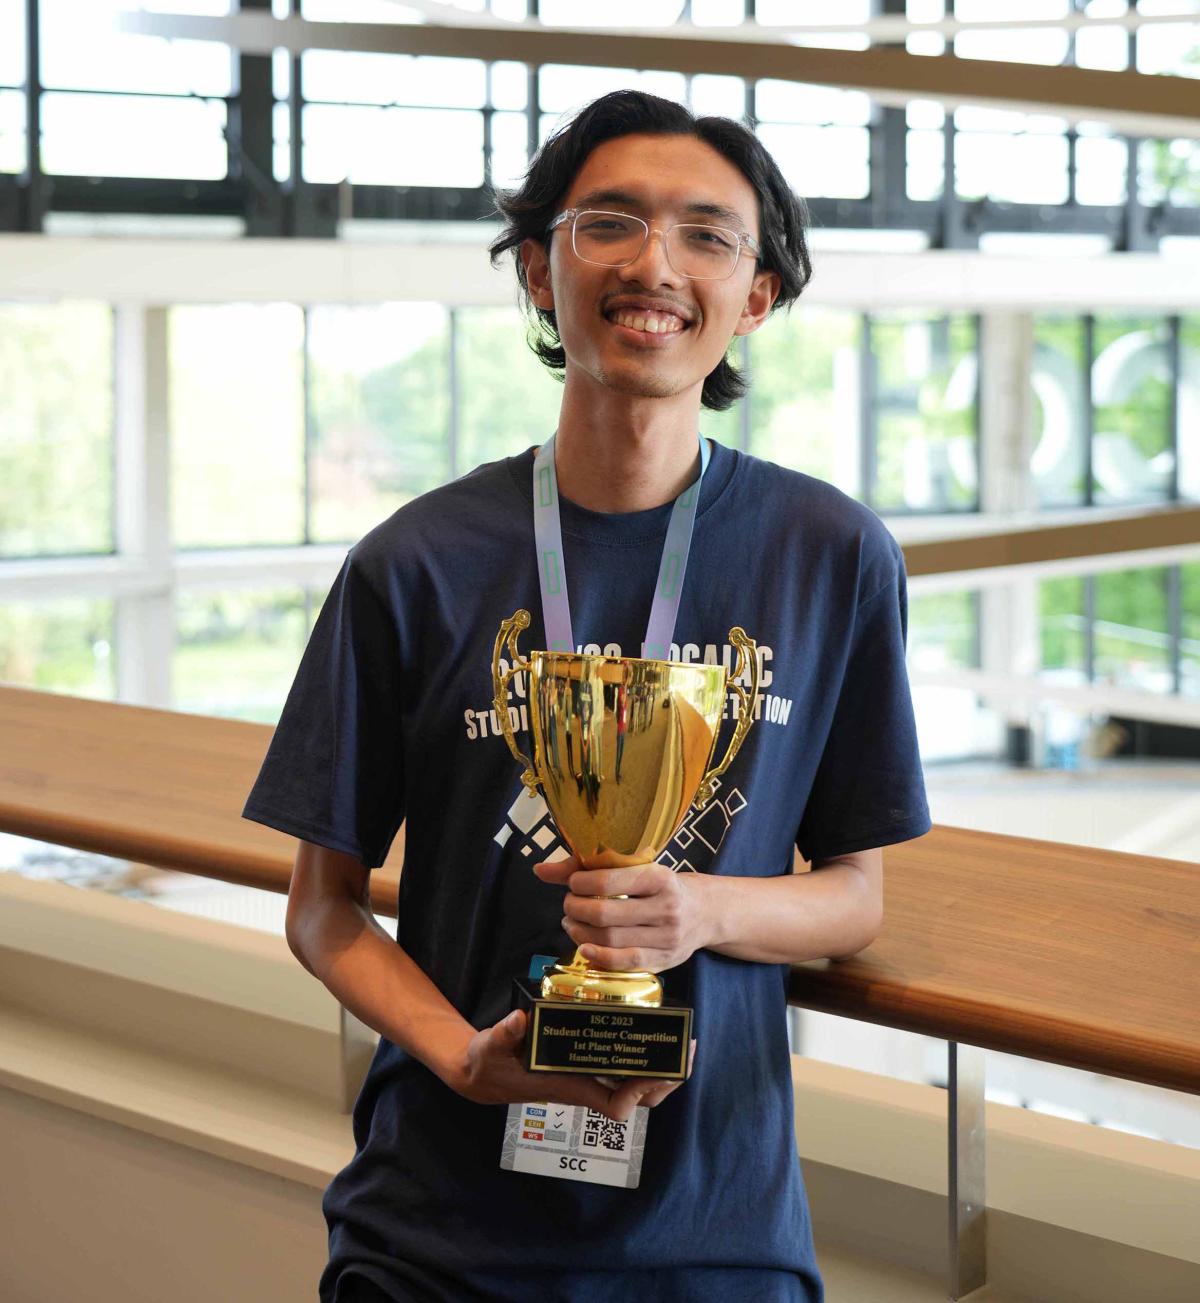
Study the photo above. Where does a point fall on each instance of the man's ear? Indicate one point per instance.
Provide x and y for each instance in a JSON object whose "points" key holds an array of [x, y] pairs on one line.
{"points": [[535, 259], [764, 290]]}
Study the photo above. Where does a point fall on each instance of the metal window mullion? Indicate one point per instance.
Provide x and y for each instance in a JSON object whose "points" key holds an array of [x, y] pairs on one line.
{"points": [[746, 423], [455, 406], [868, 459], [34, 178], [1175, 365], [1089, 408], [1174, 582], [308, 419], [295, 123], [888, 137], [1089, 627], [488, 111], [977, 409]]}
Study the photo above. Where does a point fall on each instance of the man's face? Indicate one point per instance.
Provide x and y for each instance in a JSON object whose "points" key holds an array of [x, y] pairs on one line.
{"points": [[663, 180]]}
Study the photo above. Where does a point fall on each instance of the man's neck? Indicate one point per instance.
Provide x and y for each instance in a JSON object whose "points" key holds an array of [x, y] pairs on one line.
{"points": [[626, 453]]}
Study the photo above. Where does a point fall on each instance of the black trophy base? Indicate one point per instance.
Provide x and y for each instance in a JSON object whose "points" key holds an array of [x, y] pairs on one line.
{"points": [[604, 1039]]}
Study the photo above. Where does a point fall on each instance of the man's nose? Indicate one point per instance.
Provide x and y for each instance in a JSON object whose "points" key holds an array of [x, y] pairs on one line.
{"points": [[651, 266]]}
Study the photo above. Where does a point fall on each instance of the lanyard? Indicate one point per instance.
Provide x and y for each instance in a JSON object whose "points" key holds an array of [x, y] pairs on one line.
{"points": [[547, 531]]}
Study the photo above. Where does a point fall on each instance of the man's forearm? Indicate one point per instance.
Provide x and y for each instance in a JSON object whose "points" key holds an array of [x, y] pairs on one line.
{"points": [[345, 948], [831, 912]]}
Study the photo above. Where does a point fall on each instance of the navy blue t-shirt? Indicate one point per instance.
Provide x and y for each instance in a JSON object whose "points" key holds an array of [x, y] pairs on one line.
{"points": [[390, 719]]}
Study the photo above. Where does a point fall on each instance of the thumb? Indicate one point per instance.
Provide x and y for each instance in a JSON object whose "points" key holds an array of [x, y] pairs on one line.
{"points": [[512, 1028], [510, 1032], [558, 871]]}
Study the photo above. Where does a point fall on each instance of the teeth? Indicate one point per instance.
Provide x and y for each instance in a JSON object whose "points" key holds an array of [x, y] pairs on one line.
{"points": [[654, 324]]}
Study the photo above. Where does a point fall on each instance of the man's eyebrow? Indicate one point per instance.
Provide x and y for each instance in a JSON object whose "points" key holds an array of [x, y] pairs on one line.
{"points": [[697, 207]]}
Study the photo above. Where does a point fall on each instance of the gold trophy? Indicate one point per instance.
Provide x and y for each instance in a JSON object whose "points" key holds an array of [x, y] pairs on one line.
{"points": [[621, 749]]}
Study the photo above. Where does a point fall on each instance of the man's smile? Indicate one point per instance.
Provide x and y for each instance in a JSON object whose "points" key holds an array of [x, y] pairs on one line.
{"points": [[646, 320]]}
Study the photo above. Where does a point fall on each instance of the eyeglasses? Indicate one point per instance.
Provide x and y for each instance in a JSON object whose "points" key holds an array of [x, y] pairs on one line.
{"points": [[694, 249]]}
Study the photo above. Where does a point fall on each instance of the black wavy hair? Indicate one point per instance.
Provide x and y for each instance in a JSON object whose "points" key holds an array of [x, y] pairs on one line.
{"points": [[528, 210]]}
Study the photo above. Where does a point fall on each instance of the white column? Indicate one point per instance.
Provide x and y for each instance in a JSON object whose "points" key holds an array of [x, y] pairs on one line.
{"points": [[145, 620], [1008, 612]]}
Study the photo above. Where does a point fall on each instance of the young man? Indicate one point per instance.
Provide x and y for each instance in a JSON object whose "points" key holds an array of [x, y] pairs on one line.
{"points": [[645, 242]]}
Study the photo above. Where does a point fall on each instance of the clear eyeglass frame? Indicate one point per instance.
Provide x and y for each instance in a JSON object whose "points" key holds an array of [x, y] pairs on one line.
{"points": [[745, 243]]}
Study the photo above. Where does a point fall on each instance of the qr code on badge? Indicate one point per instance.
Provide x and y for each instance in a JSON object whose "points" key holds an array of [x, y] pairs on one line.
{"points": [[600, 1132]]}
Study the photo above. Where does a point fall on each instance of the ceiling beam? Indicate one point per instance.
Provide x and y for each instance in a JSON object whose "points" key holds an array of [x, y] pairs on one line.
{"points": [[1130, 102]]}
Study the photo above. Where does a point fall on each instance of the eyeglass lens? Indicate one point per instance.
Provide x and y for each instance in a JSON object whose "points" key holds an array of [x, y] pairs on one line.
{"points": [[694, 249]]}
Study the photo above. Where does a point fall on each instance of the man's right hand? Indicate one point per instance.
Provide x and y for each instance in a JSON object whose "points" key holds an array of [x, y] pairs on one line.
{"points": [[493, 1074]]}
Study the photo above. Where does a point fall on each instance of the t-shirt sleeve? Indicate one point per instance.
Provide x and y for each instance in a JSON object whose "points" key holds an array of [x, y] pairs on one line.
{"points": [[334, 771], [868, 790]]}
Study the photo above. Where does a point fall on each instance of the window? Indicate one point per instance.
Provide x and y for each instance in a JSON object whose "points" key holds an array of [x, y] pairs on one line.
{"points": [[615, 13], [1063, 629], [1168, 170], [111, 135], [1188, 407], [1189, 649], [380, 404], [1132, 636], [13, 139], [923, 378], [171, 122], [925, 148], [563, 87], [818, 135], [494, 360], [386, 146], [1011, 157], [943, 634], [341, 77], [1101, 164], [1132, 454], [12, 42], [56, 436], [805, 409], [64, 645], [237, 424], [1060, 411], [236, 652]]}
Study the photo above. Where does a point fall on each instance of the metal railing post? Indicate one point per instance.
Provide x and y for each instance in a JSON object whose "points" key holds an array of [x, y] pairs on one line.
{"points": [[968, 1170]]}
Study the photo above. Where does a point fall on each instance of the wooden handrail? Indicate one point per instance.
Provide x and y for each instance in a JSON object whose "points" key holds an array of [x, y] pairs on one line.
{"points": [[1076, 956], [1138, 531]]}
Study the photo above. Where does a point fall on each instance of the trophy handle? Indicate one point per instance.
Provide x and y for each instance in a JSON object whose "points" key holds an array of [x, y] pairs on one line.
{"points": [[747, 653], [510, 630]]}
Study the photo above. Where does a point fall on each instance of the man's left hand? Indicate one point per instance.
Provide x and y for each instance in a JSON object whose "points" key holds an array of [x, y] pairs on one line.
{"points": [[664, 921]]}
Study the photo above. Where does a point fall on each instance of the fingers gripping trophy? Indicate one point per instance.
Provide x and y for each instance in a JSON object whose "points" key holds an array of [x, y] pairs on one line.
{"points": [[622, 748]]}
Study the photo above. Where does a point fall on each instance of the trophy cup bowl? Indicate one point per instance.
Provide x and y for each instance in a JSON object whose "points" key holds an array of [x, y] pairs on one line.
{"points": [[621, 751]]}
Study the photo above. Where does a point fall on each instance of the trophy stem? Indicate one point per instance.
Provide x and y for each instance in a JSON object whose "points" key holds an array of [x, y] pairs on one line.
{"points": [[578, 980]]}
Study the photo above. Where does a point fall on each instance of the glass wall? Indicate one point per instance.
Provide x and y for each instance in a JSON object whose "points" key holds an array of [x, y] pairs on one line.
{"points": [[236, 651], [1132, 629], [508, 400], [805, 408], [380, 398], [66, 645], [1061, 411], [1116, 409], [1064, 629], [1132, 454], [56, 429], [237, 424], [923, 405], [1189, 645]]}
